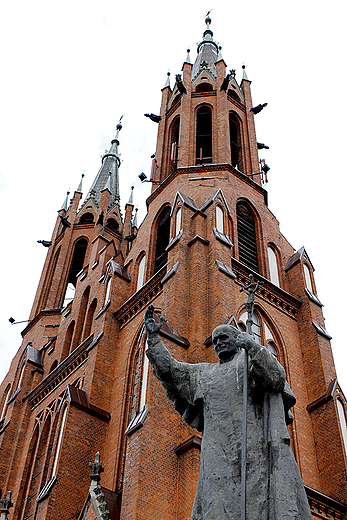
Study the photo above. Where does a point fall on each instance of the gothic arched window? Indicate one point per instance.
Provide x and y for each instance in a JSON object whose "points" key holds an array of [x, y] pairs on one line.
{"points": [[174, 136], [87, 218], [204, 135], [77, 260], [59, 442], [247, 240], [307, 278], [108, 290], [204, 87], [235, 141], [89, 319], [141, 272], [67, 341], [163, 237], [81, 318], [271, 347], [178, 221], [219, 219], [343, 424], [38, 467], [273, 268], [112, 224], [5, 397]]}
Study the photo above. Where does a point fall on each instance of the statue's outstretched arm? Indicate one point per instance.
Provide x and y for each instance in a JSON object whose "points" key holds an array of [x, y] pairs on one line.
{"points": [[157, 353]]}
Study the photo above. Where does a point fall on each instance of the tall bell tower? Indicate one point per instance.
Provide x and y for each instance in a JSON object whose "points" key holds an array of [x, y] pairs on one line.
{"points": [[80, 382]]}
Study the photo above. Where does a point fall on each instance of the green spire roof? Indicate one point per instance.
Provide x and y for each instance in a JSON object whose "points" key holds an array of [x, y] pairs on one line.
{"points": [[130, 201], [207, 53], [65, 203], [134, 222], [80, 184], [167, 83], [107, 176]]}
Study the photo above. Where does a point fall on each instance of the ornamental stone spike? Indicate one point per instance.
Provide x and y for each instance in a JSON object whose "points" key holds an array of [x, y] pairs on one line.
{"points": [[167, 84], [5, 504], [65, 203], [96, 468]]}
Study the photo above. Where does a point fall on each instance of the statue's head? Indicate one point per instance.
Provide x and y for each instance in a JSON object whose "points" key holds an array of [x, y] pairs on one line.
{"points": [[224, 341]]}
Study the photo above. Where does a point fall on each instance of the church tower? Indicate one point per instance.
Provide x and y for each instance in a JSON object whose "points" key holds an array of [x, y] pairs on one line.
{"points": [[80, 383]]}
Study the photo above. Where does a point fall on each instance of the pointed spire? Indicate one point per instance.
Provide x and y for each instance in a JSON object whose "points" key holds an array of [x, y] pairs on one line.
{"points": [[207, 52], [107, 176], [80, 184], [134, 222], [167, 84], [188, 56], [130, 201], [244, 74], [65, 203]]}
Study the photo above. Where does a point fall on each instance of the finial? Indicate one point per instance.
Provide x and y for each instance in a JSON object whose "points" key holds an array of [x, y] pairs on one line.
{"points": [[188, 56], [5, 504], [80, 184], [207, 18], [131, 195], [96, 468], [119, 126], [167, 84], [244, 74], [65, 203], [134, 222], [219, 57]]}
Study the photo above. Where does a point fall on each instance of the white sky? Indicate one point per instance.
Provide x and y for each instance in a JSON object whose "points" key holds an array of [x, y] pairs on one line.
{"points": [[70, 69]]}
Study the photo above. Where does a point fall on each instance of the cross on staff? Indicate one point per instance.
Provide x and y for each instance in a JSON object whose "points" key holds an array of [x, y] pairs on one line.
{"points": [[249, 289]]}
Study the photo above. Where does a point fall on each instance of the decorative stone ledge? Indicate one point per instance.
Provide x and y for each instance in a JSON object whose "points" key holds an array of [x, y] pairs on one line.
{"points": [[225, 269], [174, 241], [140, 299], [313, 297], [137, 421], [193, 442], [198, 238], [321, 330], [170, 273], [103, 309], [60, 373], [324, 399], [3, 428], [222, 238], [323, 506]]}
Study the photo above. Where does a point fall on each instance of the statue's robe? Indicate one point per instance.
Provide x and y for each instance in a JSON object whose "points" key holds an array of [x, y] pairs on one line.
{"points": [[209, 397]]}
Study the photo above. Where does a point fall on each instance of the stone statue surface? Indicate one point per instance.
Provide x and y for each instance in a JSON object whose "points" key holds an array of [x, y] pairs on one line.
{"points": [[209, 398]]}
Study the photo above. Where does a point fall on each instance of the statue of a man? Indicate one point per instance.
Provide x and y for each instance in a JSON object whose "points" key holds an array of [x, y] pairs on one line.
{"points": [[209, 398]]}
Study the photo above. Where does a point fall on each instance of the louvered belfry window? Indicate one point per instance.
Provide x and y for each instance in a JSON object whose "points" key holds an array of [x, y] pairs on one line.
{"points": [[247, 239], [163, 236], [204, 135]]}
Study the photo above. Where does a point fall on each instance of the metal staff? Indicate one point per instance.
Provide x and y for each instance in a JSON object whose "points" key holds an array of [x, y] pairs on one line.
{"points": [[250, 289]]}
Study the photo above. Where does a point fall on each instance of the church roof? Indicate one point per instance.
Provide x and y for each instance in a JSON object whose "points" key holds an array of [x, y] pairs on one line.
{"points": [[107, 176], [207, 53]]}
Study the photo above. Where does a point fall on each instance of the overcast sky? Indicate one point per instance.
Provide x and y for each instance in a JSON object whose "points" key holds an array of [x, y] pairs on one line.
{"points": [[70, 69]]}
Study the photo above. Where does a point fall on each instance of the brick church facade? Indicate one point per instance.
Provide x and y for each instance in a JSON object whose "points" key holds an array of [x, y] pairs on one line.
{"points": [[80, 383]]}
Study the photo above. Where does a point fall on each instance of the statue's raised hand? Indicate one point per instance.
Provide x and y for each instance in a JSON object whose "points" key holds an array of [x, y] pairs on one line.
{"points": [[245, 341], [152, 327]]}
